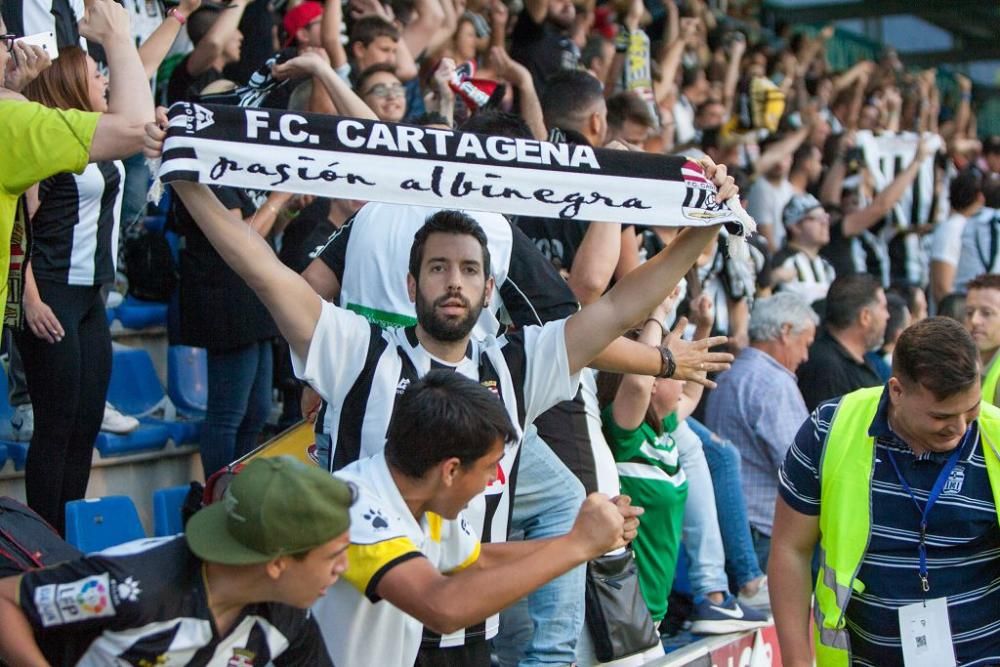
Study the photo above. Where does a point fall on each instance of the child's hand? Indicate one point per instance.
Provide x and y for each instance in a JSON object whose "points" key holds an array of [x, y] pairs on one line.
{"points": [[703, 312]]}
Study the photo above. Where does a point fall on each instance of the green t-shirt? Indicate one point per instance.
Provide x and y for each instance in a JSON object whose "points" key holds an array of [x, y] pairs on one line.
{"points": [[643, 445], [649, 472], [36, 142]]}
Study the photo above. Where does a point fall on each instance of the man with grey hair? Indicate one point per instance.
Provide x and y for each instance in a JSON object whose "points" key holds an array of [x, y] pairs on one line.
{"points": [[758, 406]]}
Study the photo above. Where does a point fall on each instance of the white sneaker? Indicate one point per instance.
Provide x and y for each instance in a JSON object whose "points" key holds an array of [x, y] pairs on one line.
{"points": [[116, 422], [21, 425], [761, 600]]}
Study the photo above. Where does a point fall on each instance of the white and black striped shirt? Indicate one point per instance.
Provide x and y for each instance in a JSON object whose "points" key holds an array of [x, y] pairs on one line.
{"points": [[360, 370], [146, 603], [813, 275], [75, 229], [60, 17]]}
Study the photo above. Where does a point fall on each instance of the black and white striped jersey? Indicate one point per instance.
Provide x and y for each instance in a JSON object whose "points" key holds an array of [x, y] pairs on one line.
{"points": [[360, 369], [75, 229], [56, 16], [369, 256], [813, 275], [145, 603]]}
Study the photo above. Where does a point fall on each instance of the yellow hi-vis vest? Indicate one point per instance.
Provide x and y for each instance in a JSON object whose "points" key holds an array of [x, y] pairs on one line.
{"points": [[990, 382], [845, 513]]}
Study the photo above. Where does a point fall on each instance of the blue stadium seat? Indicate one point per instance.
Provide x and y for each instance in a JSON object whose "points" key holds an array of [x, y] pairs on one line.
{"points": [[187, 379], [184, 431], [136, 390], [682, 583], [167, 504], [3, 456], [98, 523], [135, 313], [174, 241], [16, 451], [154, 223], [5, 408], [148, 437]]}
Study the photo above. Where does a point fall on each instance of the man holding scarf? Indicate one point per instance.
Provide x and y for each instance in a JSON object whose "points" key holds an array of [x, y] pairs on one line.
{"points": [[449, 280]]}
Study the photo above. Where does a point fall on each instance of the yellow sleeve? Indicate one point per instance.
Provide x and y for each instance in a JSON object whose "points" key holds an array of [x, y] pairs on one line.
{"points": [[459, 544], [368, 563], [473, 557], [37, 142]]}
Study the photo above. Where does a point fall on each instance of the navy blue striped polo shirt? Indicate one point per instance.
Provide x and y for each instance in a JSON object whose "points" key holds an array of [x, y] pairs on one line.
{"points": [[963, 540]]}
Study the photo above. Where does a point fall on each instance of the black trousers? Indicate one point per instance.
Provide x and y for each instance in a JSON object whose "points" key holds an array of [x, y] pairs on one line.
{"points": [[68, 384]]}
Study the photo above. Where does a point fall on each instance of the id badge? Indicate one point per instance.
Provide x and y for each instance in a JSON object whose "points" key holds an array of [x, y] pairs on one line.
{"points": [[925, 631]]}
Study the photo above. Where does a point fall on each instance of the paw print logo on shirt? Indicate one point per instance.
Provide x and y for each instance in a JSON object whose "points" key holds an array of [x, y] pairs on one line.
{"points": [[128, 590], [377, 519]]}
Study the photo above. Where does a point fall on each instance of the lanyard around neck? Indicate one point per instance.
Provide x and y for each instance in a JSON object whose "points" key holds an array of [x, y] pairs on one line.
{"points": [[931, 499]]}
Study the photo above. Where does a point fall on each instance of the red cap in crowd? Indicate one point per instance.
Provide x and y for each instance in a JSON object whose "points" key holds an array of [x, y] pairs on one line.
{"points": [[299, 17], [604, 22]]}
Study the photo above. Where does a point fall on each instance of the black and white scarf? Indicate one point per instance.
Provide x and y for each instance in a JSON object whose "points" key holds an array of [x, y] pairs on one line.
{"points": [[350, 158]]}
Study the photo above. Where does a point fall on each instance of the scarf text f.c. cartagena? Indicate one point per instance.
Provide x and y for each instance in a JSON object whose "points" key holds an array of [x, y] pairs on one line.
{"points": [[350, 158]]}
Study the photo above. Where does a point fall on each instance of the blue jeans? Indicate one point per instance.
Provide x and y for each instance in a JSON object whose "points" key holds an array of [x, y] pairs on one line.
{"points": [[724, 462], [762, 545], [136, 187], [543, 628], [239, 401], [701, 537], [324, 447]]}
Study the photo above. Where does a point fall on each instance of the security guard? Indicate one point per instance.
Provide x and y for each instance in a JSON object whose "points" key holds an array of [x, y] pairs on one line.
{"points": [[899, 487]]}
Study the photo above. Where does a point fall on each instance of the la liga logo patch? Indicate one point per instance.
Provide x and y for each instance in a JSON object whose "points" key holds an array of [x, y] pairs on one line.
{"points": [[61, 604], [93, 597]]}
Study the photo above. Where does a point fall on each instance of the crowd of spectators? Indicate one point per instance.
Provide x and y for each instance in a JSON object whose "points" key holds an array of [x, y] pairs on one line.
{"points": [[876, 205]]}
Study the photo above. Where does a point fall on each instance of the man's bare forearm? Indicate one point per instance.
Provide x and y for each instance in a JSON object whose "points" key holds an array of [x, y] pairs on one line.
{"points": [[17, 640], [789, 582], [592, 329], [789, 578]]}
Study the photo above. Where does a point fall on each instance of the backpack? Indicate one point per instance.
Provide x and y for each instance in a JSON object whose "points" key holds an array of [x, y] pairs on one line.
{"points": [[149, 265], [27, 542]]}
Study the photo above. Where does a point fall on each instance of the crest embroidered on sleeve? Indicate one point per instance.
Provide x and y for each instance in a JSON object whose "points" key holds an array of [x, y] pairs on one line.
{"points": [[241, 658]]}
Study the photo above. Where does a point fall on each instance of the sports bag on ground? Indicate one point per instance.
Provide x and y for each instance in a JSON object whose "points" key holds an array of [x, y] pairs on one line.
{"points": [[27, 542]]}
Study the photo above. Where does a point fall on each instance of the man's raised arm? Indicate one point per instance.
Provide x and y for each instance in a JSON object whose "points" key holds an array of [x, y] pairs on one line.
{"points": [[292, 303], [592, 329], [119, 131]]}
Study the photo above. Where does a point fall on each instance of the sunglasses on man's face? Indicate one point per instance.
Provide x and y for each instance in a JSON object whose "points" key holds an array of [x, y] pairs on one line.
{"points": [[383, 90]]}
